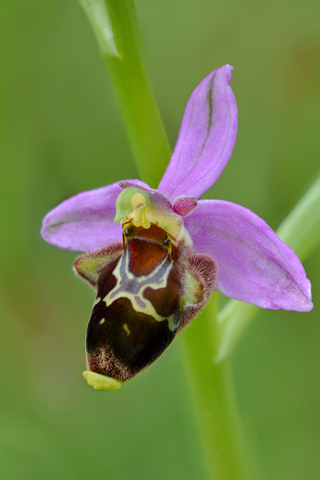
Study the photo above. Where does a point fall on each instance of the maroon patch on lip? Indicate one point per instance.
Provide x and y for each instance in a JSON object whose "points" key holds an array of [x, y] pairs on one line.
{"points": [[144, 258]]}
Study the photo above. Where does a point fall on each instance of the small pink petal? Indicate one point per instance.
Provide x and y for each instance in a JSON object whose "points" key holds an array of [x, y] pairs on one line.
{"points": [[135, 183], [184, 205]]}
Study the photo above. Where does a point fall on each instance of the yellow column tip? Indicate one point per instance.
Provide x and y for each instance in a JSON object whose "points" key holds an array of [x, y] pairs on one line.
{"points": [[101, 382]]}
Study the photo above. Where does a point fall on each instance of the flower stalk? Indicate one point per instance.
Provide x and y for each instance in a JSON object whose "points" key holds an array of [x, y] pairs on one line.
{"points": [[214, 398], [211, 384]]}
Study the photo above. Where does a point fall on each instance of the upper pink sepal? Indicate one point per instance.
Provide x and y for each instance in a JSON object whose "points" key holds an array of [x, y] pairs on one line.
{"points": [[206, 139]]}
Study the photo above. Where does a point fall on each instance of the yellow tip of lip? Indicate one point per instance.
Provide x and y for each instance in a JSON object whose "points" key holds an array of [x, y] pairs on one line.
{"points": [[101, 382]]}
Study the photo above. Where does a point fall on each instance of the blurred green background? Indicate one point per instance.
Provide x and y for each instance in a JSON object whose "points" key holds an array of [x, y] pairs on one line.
{"points": [[61, 133]]}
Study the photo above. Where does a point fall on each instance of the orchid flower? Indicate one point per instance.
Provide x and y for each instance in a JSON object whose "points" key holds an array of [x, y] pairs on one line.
{"points": [[168, 250]]}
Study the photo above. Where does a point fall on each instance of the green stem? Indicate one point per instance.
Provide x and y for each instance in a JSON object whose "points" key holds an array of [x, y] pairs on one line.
{"points": [[212, 388], [116, 27]]}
